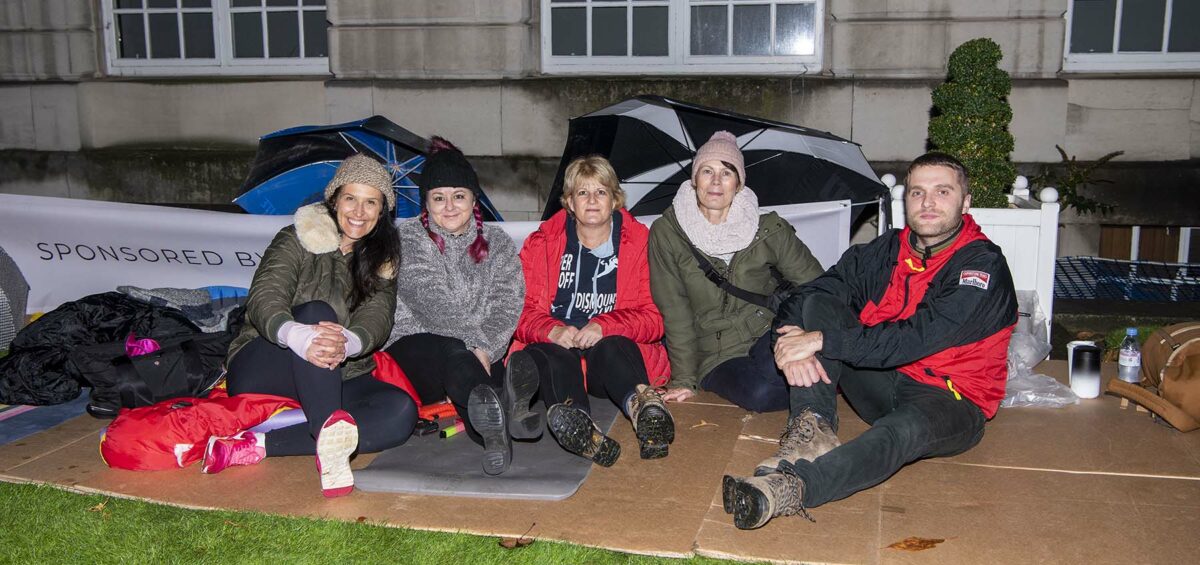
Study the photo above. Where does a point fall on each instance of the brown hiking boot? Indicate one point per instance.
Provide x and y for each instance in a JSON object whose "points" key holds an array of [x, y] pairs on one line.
{"points": [[807, 436], [576, 432], [652, 422], [753, 501]]}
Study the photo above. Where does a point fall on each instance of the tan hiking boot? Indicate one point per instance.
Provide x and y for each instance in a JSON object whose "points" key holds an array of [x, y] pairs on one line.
{"points": [[753, 501], [807, 436], [652, 422]]}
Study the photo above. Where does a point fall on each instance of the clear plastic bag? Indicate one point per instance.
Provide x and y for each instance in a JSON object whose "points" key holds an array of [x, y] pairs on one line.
{"points": [[1028, 346]]}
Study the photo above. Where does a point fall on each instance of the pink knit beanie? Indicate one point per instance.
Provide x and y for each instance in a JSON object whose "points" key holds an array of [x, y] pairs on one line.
{"points": [[722, 146]]}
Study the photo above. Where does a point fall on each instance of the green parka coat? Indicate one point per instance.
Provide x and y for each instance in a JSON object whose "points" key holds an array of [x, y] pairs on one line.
{"points": [[303, 264], [705, 326]]}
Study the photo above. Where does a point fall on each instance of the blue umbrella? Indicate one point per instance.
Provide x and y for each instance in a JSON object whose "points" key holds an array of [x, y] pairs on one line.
{"points": [[293, 165]]}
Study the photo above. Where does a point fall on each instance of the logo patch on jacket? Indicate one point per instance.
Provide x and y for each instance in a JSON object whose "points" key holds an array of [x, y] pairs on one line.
{"points": [[977, 279]]}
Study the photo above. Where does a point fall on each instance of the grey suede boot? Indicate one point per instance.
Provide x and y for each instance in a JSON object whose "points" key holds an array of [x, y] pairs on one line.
{"points": [[807, 436], [753, 501]]}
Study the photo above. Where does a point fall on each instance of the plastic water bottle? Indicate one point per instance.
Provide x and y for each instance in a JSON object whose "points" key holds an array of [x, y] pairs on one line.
{"points": [[1130, 369]]}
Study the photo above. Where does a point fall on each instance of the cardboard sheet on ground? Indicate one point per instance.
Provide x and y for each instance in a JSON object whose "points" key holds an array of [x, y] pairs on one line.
{"points": [[540, 470]]}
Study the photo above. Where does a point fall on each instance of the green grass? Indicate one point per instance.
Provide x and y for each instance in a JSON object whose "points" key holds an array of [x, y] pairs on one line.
{"points": [[41, 524]]}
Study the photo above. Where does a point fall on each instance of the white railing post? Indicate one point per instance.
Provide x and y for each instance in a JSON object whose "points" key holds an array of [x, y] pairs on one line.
{"points": [[1047, 250], [888, 180]]}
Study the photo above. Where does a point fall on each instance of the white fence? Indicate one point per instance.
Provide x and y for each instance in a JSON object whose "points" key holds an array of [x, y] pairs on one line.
{"points": [[1027, 233]]}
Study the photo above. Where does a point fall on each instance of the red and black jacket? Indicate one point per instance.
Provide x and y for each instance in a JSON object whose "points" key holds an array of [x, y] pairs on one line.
{"points": [[943, 319]]}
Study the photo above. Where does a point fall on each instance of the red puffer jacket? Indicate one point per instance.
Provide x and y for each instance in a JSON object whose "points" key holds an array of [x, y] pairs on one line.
{"points": [[635, 315]]}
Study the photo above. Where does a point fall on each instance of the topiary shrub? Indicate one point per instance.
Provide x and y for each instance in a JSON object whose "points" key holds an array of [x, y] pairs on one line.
{"points": [[971, 117]]}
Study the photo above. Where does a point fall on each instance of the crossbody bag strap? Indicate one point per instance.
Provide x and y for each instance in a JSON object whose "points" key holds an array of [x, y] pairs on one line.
{"points": [[711, 273]]}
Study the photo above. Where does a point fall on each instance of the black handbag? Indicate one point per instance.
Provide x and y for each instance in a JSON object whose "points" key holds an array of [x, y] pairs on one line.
{"points": [[183, 367]]}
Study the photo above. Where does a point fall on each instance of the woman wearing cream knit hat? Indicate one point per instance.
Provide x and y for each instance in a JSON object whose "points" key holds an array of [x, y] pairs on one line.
{"points": [[320, 304], [709, 253]]}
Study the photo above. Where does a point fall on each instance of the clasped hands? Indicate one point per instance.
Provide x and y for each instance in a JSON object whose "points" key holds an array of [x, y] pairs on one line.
{"points": [[580, 338], [327, 349], [795, 354]]}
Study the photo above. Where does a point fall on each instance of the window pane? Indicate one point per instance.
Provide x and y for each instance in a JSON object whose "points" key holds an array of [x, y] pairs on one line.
{"points": [[1185, 20], [316, 34], [752, 30], [796, 29], [283, 34], [650, 28], [568, 31], [1142, 25], [198, 36], [314, 2], [160, 4], [245, 3], [710, 30], [247, 35], [197, 4], [129, 4], [282, 2], [131, 36], [609, 31], [1092, 26], [164, 36]]}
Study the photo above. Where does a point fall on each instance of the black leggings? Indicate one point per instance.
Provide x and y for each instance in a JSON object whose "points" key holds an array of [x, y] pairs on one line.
{"points": [[440, 366], [614, 368], [385, 414], [752, 382]]}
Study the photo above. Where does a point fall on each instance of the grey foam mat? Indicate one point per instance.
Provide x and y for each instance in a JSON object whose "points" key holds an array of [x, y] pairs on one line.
{"points": [[540, 470]]}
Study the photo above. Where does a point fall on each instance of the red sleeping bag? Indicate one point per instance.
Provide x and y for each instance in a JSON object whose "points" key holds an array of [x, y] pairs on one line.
{"points": [[173, 433]]}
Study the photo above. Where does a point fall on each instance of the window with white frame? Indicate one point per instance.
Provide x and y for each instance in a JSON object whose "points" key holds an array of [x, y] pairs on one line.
{"points": [[198, 37], [681, 36], [1132, 35]]}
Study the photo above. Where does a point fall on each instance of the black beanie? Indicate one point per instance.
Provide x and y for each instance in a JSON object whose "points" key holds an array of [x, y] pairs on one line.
{"points": [[445, 165]]}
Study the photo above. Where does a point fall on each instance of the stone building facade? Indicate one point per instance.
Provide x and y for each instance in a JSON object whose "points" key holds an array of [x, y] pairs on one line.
{"points": [[88, 110]]}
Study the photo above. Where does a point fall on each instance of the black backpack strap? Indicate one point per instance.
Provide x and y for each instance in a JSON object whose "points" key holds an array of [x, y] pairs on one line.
{"points": [[711, 273]]}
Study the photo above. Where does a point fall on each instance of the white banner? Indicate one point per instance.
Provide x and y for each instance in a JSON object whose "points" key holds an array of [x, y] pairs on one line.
{"points": [[67, 248]]}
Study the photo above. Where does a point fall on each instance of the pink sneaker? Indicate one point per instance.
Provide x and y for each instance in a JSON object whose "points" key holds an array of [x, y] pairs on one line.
{"points": [[242, 448], [335, 444]]}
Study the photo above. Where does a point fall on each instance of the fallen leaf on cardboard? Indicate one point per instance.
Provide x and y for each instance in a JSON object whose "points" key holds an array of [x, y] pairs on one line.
{"points": [[704, 423], [916, 544], [361, 519], [98, 507]]}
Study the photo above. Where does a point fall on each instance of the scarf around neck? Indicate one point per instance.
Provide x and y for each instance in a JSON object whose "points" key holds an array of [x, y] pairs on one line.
{"points": [[720, 240]]}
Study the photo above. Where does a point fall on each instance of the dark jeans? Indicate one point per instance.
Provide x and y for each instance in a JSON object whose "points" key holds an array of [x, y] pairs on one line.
{"points": [[909, 420], [384, 413], [440, 366], [752, 382], [614, 368]]}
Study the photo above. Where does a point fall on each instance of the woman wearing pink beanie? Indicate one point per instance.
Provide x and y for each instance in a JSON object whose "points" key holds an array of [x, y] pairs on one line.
{"points": [[713, 261]]}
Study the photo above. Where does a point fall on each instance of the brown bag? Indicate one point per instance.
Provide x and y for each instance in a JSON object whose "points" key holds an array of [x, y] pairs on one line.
{"points": [[1170, 384]]}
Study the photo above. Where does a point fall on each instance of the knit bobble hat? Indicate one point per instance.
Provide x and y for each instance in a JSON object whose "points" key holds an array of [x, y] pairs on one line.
{"points": [[445, 166], [722, 146], [359, 168]]}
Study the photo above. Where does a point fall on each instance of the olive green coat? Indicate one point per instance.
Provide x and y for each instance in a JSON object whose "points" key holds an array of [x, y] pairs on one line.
{"points": [[705, 326], [303, 264]]}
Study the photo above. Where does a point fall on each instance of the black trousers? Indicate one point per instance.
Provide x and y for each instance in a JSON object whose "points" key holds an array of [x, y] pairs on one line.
{"points": [[752, 382], [909, 420], [440, 367], [385, 414], [614, 368]]}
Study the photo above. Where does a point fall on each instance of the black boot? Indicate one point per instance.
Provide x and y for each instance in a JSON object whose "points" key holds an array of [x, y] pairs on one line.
{"points": [[488, 417], [520, 384]]}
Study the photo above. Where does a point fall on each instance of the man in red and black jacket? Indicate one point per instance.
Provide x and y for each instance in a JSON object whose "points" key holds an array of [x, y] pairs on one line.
{"points": [[914, 327]]}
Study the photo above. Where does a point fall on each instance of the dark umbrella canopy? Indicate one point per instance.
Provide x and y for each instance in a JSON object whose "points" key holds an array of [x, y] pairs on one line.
{"points": [[293, 166], [651, 140]]}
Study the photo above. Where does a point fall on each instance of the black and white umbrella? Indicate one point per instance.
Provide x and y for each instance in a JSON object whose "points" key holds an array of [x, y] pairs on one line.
{"points": [[651, 140]]}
